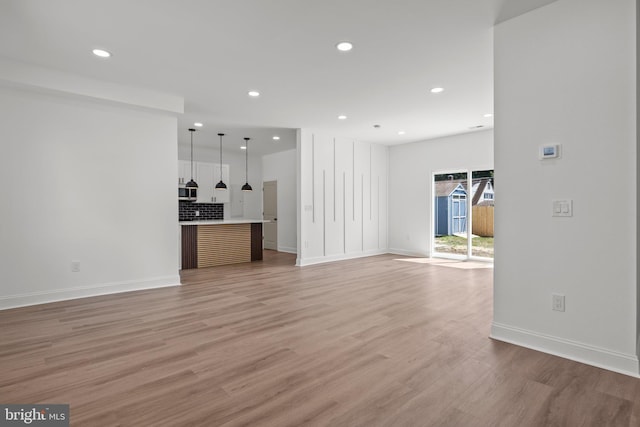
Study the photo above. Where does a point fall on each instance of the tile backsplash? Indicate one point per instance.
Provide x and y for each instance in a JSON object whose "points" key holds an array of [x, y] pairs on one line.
{"points": [[187, 211]]}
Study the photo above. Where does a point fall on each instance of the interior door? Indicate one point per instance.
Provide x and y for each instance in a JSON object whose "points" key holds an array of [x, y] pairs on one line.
{"points": [[270, 213]]}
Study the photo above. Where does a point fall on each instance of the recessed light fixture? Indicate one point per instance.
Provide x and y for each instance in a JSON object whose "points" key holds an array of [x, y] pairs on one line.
{"points": [[101, 53], [344, 46], [276, 138], [254, 93], [342, 117], [401, 132], [488, 115], [437, 90], [198, 124]]}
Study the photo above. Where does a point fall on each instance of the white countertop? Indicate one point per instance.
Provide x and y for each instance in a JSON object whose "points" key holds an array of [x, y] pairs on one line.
{"points": [[224, 221]]}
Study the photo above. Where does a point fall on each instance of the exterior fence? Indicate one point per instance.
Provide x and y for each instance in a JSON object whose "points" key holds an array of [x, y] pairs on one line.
{"points": [[483, 221]]}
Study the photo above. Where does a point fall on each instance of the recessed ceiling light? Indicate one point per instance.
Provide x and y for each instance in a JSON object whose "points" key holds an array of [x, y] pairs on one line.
{"points": [[437, 90], [243, 147], [198, 124], [101, 53], [488, 115], [342, 117], [344, 46], [276, 138], [254, 93], [401, 132]]}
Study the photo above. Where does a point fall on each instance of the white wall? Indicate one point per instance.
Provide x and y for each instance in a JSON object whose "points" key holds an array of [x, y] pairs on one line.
{"points": [[84, 181], [637, 105], [65, 83], [243, 204], [411, 168], [566, 74], [281, 167], [342, 198]]}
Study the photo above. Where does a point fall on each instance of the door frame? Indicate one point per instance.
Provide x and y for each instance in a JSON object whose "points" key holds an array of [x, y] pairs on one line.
{"points": [[265, 225]]}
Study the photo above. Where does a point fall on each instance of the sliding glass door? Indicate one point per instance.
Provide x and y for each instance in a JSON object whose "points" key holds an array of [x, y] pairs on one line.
{"points": [[463, 203]]}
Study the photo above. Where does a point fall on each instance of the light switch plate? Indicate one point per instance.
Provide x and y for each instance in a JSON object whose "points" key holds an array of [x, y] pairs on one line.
{"points": [[557, 302], [562, 208]]}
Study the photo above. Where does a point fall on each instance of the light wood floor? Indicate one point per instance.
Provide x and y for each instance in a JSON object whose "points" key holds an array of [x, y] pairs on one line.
{"points": [[368, 342]]}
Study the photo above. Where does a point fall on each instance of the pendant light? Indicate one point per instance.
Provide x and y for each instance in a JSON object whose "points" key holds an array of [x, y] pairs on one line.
{"points": [[246, 186], [192, 183], [221, 185]]}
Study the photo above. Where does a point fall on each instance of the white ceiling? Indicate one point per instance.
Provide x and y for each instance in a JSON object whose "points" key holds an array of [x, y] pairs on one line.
{"points": [[211, 52]]}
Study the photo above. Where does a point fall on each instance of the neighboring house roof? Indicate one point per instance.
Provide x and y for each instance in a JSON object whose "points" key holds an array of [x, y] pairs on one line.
{"points": [[479, 191], [445, 188]]}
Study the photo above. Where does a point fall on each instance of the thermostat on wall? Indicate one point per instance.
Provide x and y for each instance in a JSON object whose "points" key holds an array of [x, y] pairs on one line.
{"points": [[549, 152]]}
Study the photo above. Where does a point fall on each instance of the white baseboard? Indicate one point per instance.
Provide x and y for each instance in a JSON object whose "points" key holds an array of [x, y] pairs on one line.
{"points": [[43, 297], [341, 257], [287, 249], [409, 253], [602, 358]]}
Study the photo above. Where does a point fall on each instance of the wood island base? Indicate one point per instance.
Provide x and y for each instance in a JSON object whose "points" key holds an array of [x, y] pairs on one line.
{"points": [[220, 244]]}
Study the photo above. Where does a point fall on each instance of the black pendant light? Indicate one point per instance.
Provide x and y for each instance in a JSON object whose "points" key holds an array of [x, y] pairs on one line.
{"points": [[192, 183], [246, 186], [221, 185]]}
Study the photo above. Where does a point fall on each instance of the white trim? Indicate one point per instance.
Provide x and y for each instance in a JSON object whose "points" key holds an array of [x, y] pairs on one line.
{"points": [[622, 363], [481, 259], [44, 297], [340, 257], [403, 252], [445, 255], [287, 249]]}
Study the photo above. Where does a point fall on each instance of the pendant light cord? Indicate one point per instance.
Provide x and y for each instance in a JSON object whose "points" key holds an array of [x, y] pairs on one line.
{"points": [[246, 186], [246, 160], [191, 130], [220, 157], [221, 185]]}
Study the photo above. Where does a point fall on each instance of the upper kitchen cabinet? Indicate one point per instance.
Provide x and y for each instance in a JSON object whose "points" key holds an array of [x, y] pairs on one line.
{"points": [[184, 171], [207, 175], [221, 196], [205, 180]]}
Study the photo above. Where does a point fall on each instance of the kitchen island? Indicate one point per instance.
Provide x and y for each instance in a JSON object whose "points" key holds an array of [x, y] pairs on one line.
{"points": [[219, 242]]}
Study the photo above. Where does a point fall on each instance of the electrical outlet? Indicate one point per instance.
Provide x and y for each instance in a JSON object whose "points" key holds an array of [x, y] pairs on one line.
{"points": [[557, 302], [197, 213], [75, 266]]}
